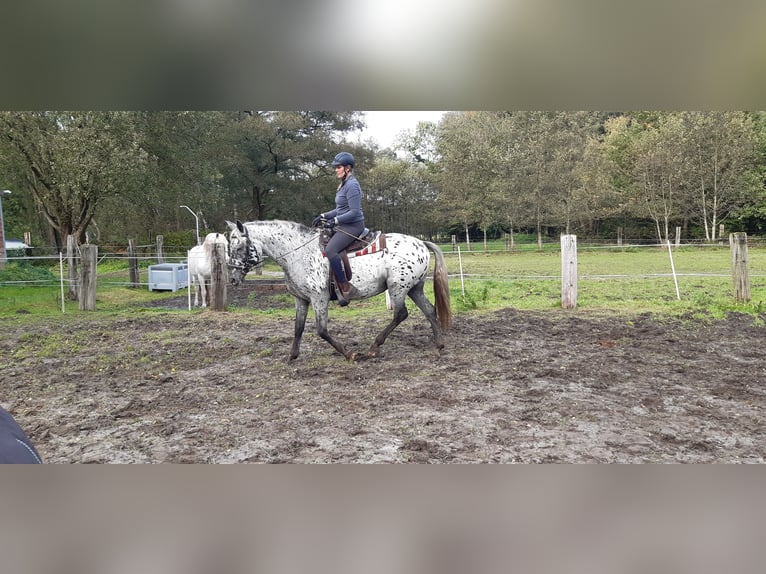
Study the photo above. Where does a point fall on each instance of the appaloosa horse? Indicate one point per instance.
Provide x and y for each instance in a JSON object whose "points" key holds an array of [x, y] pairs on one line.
{"points": [[401, 267]]}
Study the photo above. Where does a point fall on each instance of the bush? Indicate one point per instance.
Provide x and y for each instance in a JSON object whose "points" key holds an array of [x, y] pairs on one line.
{"points": [[25, 272]]}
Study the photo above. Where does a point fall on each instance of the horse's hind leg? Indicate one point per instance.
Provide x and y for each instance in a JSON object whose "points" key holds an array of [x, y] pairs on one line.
{"points": [[420, 299], [400, 314]]}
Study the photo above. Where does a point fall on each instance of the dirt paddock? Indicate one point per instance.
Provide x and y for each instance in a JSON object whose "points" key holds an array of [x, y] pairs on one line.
{"points": [[510, 386]]}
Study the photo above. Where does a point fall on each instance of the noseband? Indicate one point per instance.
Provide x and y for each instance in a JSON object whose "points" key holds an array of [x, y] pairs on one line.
{"points": [[253, 257]]}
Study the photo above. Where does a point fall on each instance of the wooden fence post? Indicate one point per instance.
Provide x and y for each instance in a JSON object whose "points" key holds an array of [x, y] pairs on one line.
{"points": [[73, 290], [133, 263], [219, 278], [89, 255], [678, 236], [454, 243], [619, 236], [740, 274], [160, 249], [568, 271]]}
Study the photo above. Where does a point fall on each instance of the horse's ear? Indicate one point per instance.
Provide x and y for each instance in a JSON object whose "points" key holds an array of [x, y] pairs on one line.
{"points": [[231, 225], [240, 226]]}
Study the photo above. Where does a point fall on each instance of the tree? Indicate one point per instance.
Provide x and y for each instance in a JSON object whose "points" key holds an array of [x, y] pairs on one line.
{"points": [[682, 166], [71, 161], [467, 147], [420, 144], [276, 157], [661, 171], [721, 147]]}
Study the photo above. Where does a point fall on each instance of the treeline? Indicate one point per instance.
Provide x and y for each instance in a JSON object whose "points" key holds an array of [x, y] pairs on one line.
{"points": [[591, 172], [112, 175]]}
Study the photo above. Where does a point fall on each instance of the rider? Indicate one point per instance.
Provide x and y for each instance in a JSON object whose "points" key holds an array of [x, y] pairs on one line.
{"points": [[347, 219]]}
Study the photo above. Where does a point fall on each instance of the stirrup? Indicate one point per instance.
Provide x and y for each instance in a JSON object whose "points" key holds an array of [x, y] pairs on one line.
{"points": [[342, 301]]}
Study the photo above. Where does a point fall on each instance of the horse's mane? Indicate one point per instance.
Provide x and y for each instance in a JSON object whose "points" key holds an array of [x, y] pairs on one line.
{"points": [[300, 227]]}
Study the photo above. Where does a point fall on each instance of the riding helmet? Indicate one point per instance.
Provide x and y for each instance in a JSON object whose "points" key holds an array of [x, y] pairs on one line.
{"points": [[344, 158]]}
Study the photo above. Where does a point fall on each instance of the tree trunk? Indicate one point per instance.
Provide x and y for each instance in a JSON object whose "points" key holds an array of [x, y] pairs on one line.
{"points": [[467, 238]]}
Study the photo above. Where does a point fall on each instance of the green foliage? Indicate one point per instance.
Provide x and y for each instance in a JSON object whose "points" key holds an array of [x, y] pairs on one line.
{"points": [[179, 241], [12, 272], [473, 297]]}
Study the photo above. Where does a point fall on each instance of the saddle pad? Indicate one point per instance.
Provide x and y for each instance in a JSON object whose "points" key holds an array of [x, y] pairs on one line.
{"points": [[376, 245]]}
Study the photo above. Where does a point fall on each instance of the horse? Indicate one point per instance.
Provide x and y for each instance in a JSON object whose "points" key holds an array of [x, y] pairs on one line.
{"points": [[401, 268], [200, 264]]}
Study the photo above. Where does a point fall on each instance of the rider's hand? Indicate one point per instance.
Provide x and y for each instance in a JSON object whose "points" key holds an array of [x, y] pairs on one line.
{"points": [[317, 220], [329, 224]]}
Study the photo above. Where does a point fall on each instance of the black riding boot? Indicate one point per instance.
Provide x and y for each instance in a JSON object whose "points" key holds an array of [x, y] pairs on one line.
{"points": [[344, 290]]}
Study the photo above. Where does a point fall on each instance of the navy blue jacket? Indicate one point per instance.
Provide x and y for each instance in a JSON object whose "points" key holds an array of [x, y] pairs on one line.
{"points": [[348, 203]]}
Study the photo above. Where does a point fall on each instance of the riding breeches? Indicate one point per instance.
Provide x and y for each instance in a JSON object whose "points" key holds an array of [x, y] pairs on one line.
{"points": [[345, 234]]}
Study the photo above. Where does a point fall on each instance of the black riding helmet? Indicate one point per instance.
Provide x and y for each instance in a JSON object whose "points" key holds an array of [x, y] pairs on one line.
{"points": [[344, 158]]}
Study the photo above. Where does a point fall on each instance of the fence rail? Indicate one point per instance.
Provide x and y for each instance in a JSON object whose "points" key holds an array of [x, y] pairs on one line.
{"points": [[594, 264]]}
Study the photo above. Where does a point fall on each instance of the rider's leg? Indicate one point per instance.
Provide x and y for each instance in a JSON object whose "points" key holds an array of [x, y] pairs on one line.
{"points": [[337, 243], [337, 267]]}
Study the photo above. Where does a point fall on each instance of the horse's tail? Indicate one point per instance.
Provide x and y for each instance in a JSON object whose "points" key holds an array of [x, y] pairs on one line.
{"points": [[441, 287]]}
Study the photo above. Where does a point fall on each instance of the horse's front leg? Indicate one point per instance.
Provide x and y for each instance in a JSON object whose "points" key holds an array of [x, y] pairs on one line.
{"points": [[320, 311], [301, 311]]}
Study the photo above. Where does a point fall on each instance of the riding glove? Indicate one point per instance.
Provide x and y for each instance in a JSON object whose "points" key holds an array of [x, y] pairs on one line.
{"points": [[317, 220], [329, 224]]}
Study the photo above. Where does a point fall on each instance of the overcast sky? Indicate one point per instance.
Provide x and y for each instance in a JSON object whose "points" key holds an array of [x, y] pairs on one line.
{"points": [[384, 126]]}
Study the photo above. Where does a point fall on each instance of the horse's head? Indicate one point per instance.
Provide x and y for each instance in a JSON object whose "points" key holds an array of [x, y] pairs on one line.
{"points": [[244, 253]]}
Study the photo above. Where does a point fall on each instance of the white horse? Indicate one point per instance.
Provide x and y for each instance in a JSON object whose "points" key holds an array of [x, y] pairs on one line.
{"points": [[200, 264], [401, 267]]}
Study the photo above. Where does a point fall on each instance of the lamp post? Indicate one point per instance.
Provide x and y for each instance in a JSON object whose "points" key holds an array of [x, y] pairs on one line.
{"points": [[196, 219], [2, 229]]}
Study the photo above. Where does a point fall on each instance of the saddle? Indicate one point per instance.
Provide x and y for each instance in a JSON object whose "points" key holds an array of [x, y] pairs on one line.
{"points": [[369, 242]]}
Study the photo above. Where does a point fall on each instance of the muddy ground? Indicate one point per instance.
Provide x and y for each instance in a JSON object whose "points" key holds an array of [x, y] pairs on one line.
{"points": [[510, 386]]}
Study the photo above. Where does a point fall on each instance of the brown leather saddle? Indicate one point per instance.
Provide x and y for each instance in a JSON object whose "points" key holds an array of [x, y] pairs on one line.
{"points": [[369, 242]]}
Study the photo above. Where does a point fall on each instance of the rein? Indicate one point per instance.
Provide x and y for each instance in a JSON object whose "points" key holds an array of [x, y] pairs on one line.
{"points": [[368, 243], [258, 259], [252, 262], [301, 246]]}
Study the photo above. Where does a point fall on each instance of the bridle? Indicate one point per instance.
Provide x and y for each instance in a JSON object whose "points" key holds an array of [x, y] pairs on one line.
{"points": [[252, 259]]}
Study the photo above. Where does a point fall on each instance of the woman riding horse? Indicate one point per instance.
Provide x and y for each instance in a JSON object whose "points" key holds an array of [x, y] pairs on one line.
{"points": [[346, 219]]}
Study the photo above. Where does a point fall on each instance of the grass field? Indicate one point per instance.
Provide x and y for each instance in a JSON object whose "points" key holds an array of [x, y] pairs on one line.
{"points": [[631, 280]]}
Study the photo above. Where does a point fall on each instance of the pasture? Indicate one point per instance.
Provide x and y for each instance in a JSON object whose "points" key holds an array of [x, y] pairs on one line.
{"points": [[631, 375]]}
